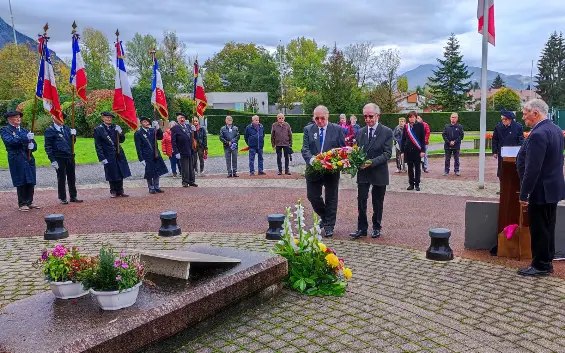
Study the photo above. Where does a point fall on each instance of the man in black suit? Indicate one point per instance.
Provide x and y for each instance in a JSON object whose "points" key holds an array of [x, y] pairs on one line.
{"points": [[181, 140], [376, 141], [542, 186], [320, 137], [506, 133]]}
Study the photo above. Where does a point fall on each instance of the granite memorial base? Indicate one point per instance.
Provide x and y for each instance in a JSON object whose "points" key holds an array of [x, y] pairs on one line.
{"points": [[165, 307]]}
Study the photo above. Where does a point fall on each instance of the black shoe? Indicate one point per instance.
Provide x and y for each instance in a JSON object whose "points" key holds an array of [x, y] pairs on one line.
{"points": [[279, 173], [123, 195], [329, 232], [252, 173], [287, 172], [235, 175], [230, 176], [186, 185], [533, 272], [261, 173], [358, 234], [152, 191], [193, 184], [417, 188], [426, 171], [64, 202], [159, 191], [411, 187], [376, 233], [74, 199]]}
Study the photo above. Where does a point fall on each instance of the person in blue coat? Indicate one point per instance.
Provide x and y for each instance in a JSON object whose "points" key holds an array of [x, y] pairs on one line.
{"points": [[58, 146], [148, 153], [507, 132], [19, 142], [255, 138], [116, 168]]}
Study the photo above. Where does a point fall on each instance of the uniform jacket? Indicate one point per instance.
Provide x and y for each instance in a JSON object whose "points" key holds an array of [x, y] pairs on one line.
{"points": [[145, 145], [22, 171], [453, 133], [379, 151], [181, 140], [58, 144], [540, 165], [105, 142], [254, 136], [226, 135], [411, 152], [333, 138]]}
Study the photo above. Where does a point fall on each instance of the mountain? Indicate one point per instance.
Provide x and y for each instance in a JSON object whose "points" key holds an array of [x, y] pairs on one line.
{"points": [[419, 77], [7, 36]]}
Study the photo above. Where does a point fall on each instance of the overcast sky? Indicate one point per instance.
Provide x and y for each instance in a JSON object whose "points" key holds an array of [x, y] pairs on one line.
{"points": [[419, 28]]}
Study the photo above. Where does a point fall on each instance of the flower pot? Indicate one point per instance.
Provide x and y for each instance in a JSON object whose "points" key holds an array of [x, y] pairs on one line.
{"points": [[115, 300], [67, 290]]}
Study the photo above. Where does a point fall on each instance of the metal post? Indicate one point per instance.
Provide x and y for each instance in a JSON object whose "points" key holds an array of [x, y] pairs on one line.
{"points": [[483, 119], [12, 17]]}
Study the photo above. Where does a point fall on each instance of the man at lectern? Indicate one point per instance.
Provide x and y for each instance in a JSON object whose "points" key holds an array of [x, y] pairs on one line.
{"points": [[542, 185], [508, 132]]}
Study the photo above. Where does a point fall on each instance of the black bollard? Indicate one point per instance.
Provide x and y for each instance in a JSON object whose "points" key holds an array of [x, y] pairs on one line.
{"points": [[55, 228], [169, 225], [439, 249], [275, 226]]}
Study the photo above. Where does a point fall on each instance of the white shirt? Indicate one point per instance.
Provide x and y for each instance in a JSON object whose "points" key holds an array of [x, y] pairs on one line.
{"points": [[58, 128], [321, 144], [374, 129]]}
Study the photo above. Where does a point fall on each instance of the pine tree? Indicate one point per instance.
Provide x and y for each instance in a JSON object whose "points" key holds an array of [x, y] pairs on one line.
{"points": [[450, 83], [498, 83], [476, 85], [551, 72], [340, 83]]}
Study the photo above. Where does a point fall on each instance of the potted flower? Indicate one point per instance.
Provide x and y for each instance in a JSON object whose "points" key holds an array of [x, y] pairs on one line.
{"points": [[61, 267], [113, 279]]}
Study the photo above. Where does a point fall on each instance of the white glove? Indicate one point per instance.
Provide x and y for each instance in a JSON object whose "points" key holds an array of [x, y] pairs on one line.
{"points": [[73, 132], [119, 129], [55, 165], [30, 135], [177, 156], [312, 161], [143, 162], [155, 124], [192, 127], [104, 161], [30, 146]]}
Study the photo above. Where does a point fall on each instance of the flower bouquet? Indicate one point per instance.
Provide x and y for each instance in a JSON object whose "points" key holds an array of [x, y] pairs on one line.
{"points": [[114, 279], [61, 267], [345, 160], [314, 268]]}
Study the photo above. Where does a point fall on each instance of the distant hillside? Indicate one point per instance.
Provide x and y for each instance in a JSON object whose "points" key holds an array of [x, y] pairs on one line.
{"points": [[7, 36], [419, 77]]}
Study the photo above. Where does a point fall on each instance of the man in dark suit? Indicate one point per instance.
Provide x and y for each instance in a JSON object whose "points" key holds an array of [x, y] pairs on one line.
{"points": [[506, 133], [107, 139], [320, 137], [148, 153], [452, 136], [376, 141], [542, 186], [181, 140], [58, 146]]}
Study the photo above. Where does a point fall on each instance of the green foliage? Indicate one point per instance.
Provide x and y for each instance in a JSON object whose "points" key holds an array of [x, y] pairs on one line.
{"points": [[310, 101], [504, 98], [62, 264], [112, 272], [450, 83], [551, 72], [97, 55], [339, 83], [402, 84], [498, 82], [383, 96], [139, 61], [173, 64], [306, 62], [4, 106]]}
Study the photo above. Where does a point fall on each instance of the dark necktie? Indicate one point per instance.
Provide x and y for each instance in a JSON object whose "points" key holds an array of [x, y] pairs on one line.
{"points": [[370, 134], [321, 138]]}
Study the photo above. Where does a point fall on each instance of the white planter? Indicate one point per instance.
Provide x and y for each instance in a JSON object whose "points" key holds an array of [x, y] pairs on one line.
{"points": [[115, 300], [67, 290]]}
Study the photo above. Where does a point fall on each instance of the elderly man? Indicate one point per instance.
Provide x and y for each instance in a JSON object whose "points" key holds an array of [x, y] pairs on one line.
{"points": [[20, 144], [452, 136], [376, 141], [255, 138], [148, 153], [507, 132], [281, 140], [181, 140], [229, 136], [107, 140], [320, 137], [542, 186]]}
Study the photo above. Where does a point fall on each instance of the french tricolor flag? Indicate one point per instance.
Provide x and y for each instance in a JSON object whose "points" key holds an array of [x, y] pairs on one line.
{"points": [[46, 88], [123, 99], [78, 73], [158, 98], [481, 18]]}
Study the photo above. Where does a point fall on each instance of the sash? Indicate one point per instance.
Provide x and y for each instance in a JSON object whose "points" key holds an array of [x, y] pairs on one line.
{"points": [[413, 137]]}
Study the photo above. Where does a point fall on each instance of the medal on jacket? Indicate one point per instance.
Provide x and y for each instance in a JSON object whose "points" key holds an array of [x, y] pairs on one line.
{"points": [[109, 139], [315, 136], [61, 135]]}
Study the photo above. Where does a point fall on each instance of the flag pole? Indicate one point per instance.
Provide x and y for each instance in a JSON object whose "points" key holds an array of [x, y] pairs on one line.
{"points": [[194, 88], [118, 69], [34, 111], [155, 149], [483, 117], [74, 25]]}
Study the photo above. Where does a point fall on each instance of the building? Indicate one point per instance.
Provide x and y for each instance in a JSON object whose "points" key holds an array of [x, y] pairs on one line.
{"points": [[407, 102], [239, 100], [525, 95]]}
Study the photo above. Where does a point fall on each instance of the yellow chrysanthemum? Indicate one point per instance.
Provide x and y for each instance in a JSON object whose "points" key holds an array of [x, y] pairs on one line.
{"points": [[322, 247], [340, 163], [295, 241], [347, 273], [332, 260]]}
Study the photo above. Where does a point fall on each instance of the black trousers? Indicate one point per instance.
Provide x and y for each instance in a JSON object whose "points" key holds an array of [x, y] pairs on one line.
{"points": [[117, 187], [187, 169], [414, 172], [542, 231], [280, 150], [377, 199], [327, 210], [448, 154], [66, 171], [25, 194]]}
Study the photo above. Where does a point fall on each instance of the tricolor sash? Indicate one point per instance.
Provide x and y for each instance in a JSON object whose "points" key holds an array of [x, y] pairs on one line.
{"points": [[413, 137]]}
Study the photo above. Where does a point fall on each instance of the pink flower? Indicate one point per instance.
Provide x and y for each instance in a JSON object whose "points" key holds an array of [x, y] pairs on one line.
{"points": [[118, 278], [59, 251], [117, 263], [44, 255], [139, 267], [124, 265], [123, 254]]}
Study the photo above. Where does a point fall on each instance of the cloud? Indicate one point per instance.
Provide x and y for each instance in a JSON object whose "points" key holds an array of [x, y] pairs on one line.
{"points": [[419, 28]]}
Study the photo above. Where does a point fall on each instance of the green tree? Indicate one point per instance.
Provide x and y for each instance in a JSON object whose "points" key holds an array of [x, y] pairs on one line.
{"points": [[97, 55], [550, 79], [173, 64], [450, 82], [497, 83], [139, 59], [339, 83], [402, 84], [290, 96], [19, 66], [362, 56], [383, 96], [306, 63], [504, 98], [476, 85], [419, 90]]}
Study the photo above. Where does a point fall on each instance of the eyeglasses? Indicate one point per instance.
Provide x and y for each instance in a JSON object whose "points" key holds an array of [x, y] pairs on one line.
{"points": [[320, 118], [369, 116]]}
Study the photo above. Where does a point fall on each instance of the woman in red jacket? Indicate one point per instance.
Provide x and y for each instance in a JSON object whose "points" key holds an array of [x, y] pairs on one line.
{"points": [[167, 148]]}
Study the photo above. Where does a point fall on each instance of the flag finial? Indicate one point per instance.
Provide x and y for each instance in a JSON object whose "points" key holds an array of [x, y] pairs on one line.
{"points": [[74, 25], [46, 27], [117, 33]]}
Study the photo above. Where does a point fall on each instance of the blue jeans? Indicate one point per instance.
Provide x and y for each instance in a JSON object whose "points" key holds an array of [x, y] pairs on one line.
{"points": [[174, 161], [252, 153]]}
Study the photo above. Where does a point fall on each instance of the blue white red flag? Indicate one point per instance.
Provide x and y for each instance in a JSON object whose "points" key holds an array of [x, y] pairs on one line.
{"points": [[46, 88], [199, 94], [413, 137], [78, 73], [123, 99], [158, 98]]}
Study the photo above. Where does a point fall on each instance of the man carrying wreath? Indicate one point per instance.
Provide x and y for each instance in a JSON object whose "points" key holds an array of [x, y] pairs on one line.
{"points": [[320, 137]]}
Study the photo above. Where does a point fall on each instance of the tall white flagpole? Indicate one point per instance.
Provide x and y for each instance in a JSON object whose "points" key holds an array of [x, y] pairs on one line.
{"points": [[12, 17], [483, 119]]}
